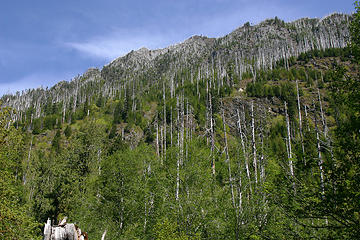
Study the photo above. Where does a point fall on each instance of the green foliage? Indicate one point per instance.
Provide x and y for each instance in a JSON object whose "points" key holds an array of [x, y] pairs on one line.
{"points": [[166, 230], [118, 171], [345, 99], [355, 32], [56, 141], [68, 131], [16, 221], [50, 122], [345, 54], [36, 126]]}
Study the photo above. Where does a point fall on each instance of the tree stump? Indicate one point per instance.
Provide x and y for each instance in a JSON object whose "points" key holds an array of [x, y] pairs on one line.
{"points": [[63, 231]]}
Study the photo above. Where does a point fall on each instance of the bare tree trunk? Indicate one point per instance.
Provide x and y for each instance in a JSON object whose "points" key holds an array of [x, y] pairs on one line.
{"points": [[64, 111], [300, 122], [177, 179], [178, 157], [240, 208], [133, 108], [99, 161], [306, 116], [323, 120], [207, 112], [157, 136], [262, 159], [228, 161], [243, 148], [325, 128], [289, 141], [197, 84], [182, 129], [122, 209], [190, 126], [320, 160], [164, 121], [75, 96], [47, 230], [28, 160], [171, 127], [212, 140], [103, 235], [161, 144], [253, 142], [145, 217]]}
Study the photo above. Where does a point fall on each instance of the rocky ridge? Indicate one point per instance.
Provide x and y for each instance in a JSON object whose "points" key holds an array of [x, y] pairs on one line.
{"points": [[246, 49]]}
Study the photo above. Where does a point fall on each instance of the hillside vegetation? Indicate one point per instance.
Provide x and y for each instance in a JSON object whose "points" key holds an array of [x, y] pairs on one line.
{"points": [[208, 143]]}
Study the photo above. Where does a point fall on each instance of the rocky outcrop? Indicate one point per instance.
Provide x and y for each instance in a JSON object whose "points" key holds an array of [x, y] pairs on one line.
{"points": [[247, 49]]}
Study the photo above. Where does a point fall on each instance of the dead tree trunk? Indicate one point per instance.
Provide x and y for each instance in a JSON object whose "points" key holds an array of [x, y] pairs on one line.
{"points": [[227, 157], [306, 116], [228, 160], [289, 141], [28, 160], [300, 121], [253, 142], [164, 122], [325, 128], [212, 140], [323, 120], [171, 128], [64, 113], [103, 235], [262, 159], [243, 148], [157, 136], [320, 160], [178, 157]]}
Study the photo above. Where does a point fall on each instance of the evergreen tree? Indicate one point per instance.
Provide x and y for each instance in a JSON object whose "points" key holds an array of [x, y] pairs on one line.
{"points": [[16, 220]]}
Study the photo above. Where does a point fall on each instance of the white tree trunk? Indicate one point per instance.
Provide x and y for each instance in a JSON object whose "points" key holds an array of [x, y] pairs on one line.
{"points": [[320, 160], [253, 142], [323, 120], [243, 147], [300, 121], [228, 161], [164, 121], [289, 141], [103, 235]]}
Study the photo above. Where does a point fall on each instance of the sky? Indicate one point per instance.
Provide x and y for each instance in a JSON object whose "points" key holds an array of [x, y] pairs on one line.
{"points": [[43, 42]]}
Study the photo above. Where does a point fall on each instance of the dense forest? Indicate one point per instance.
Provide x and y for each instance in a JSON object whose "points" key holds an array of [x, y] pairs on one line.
{"points": [[271, 153]]}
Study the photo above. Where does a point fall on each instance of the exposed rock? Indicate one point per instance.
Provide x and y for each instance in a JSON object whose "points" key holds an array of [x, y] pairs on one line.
{"points": [[248, 48]]}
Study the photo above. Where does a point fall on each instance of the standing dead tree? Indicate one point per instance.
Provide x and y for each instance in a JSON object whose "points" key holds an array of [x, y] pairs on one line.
{"points": [[300, 121], [253, 142], [290, 157], [228, 159]]}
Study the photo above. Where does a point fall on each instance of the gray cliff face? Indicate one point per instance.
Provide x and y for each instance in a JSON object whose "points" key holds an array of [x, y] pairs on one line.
{"points": [[248, 48]]}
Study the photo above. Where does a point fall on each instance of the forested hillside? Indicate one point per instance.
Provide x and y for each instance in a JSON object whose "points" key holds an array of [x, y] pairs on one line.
{"points": [[251, 136]]}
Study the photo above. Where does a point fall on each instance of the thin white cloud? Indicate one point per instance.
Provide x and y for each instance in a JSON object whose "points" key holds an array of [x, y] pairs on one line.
{"points": [[118, 43], [221, 24], [34, 80]]}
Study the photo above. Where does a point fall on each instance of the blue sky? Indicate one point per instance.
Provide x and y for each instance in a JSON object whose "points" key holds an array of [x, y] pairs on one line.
{"points": [[45, 41]]}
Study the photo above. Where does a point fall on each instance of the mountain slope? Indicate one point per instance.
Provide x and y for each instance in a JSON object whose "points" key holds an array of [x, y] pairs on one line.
{"points": [[248, 48], [241, 137]]}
